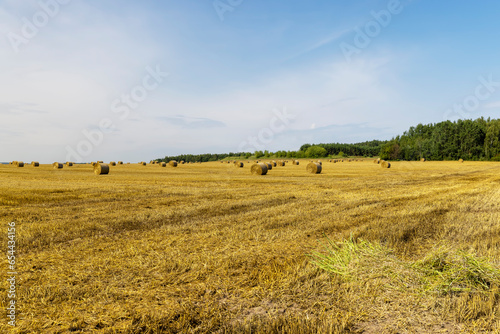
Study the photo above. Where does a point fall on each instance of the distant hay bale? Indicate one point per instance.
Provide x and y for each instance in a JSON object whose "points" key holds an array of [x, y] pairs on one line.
{"points": [[163, 164], [385, 164], [281, 163], [120, 162], [112, 163], [238, 164], [314, 167], [173, 163], [259, 169], [57, 165], [274, 163], [101, 169], [295, 162], [20, 164], [93, 163], [100, 162], [69, 164], [35, 164], [423, 160], [319, 161], [461, 160], [269, 166], [183, 162], [143, 163]]}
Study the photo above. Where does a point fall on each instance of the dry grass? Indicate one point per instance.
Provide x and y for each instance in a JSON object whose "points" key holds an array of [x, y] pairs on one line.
{"points": [[209, 248]]}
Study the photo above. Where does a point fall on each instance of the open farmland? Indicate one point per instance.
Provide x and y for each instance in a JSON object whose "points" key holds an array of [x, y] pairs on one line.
{"points": [[211, 248]]}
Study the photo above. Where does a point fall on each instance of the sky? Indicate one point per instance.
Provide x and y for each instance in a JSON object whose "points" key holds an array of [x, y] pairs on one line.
{"points": [[139, 80]]}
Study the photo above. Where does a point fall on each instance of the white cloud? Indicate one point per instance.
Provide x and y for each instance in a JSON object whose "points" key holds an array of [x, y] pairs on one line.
{"points": [[492, 105]]}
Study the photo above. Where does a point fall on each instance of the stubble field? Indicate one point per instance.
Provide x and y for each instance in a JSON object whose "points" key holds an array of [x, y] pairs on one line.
{"points": [[210, 248]]}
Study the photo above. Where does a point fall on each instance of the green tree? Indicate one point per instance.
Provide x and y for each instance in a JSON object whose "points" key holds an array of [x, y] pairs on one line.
{"points": [[492, 139], [304, 147], [316, 152], [259, 154]]}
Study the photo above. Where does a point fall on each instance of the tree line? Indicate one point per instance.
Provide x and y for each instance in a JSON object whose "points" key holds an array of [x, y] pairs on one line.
{"points": [[462, 139], [366, 149]]}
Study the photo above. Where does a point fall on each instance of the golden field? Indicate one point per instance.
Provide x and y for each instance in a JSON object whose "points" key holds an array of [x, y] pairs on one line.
{"points": [[210, 248]]}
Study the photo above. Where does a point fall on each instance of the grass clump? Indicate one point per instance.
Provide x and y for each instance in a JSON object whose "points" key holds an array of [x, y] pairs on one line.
{"points": [[446, 272], [345, 258], [459, 287]]}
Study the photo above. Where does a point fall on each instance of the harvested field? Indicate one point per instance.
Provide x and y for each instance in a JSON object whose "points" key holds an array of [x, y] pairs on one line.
{"points": [[209, 248]]}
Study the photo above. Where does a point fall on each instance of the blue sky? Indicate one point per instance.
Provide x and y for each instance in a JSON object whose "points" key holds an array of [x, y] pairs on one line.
{"points": [[234, 67]]}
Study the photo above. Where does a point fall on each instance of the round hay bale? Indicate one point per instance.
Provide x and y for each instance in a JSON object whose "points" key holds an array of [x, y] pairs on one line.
{"points": [[143, 163], [35, 164], [112, 163], [281, 163], [295, 162], [163, 164], [20, 164], [173, 163], [120, 162], [100, 162], [385, 164], [69, 164], [274, 163], [319, 161], [314, 168], [422, 160], [93, 163], [101, 169], [269, 166], [57, 165], [238, 164], [461, 160], [259, 169], [182, 162]]}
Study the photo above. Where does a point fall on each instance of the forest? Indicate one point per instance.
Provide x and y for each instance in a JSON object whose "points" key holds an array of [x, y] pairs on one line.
{"points": [[462, 139]]}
